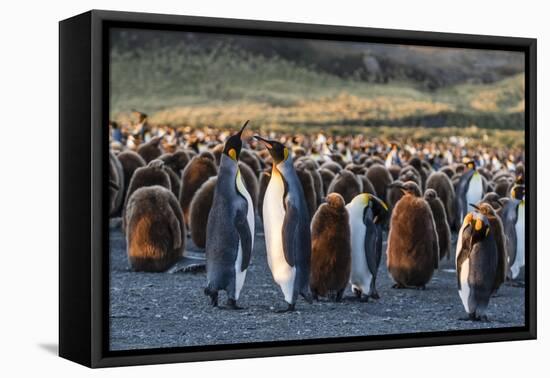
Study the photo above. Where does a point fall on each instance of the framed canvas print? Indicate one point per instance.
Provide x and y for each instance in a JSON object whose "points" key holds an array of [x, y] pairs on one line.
{"points": [[234, 188]]}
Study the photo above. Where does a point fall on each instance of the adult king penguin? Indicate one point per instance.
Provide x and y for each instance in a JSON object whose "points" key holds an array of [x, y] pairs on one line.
{"points": [[480, 259], [230, 228], [286, 226], [513, 219], [366, 215], [469, 190]]}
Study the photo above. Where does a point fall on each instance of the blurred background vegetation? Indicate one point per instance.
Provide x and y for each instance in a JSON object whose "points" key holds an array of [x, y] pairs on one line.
{"points": [[215, 80]]}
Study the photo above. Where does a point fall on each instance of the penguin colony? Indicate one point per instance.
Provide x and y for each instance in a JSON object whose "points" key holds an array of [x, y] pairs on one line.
{"points": [[326, 209]]}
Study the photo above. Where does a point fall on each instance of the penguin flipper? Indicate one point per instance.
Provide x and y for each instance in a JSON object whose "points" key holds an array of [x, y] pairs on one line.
{"points": [[291, 234], [372, 242], [509, 218], [241, 224]]}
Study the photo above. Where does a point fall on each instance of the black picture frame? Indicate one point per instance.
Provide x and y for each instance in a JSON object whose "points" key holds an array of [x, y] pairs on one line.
{"points": [[83, 230]]}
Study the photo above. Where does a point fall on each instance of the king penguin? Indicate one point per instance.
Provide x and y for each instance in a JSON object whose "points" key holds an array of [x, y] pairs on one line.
{"points": [[469, 190], [366, 213], [480, 259], [230, 228], [286, 226], [513, 219]]}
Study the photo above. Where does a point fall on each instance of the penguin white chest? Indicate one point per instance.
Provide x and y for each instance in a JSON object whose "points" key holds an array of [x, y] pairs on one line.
{"points": [[475, 191], [241, 275], [274, 215], [519, 262], [464, 290], [360, 274]]}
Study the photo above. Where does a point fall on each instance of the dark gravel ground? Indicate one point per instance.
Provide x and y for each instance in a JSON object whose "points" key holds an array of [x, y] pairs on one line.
{"points": [[156, 310]]}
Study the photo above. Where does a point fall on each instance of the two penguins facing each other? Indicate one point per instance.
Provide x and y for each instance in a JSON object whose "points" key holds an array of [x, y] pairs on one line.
{"points": [[346, 246]]}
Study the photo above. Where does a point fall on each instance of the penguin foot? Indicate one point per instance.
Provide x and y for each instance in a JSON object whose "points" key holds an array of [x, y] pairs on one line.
{"points": [[232, 304], [357, 293], [290, 308], [374, 295], [471, 317], [398, 286], [308, 297], [423, 287], [364, 299], [213, 296], [339, 295]]}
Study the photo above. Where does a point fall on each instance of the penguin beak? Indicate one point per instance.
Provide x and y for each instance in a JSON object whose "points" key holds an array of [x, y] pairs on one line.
{"points": [[265, 142], [240, 133], [474, 206]]}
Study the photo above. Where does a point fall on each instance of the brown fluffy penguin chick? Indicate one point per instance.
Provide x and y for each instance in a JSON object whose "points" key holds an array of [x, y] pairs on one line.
{"points": [[448, 170], [330, 249], [196, 172], [413, 250], [394, 171], [155, 234], [313, 170], [417, 164], [151, 150], [367, 185], [264, 182], [332, 166], [252, 160], [176, 161], [250, 182], [199, 210], [130, 161], [175, 182], [380, 178], [326, 177], [443, 185], [346, 184], [217, 151], [441, 224], [309, 188]]}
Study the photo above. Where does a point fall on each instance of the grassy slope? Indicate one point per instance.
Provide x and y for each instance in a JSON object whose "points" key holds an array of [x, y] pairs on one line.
{"points": [[180, 86]]}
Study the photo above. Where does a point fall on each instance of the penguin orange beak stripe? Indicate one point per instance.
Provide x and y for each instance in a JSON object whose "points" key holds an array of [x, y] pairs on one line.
{"points": [[265, 142]]}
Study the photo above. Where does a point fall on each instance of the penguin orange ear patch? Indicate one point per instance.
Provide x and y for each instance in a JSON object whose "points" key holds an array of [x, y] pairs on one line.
{"points": [[232, 154], [479, 224], [468, 218]]}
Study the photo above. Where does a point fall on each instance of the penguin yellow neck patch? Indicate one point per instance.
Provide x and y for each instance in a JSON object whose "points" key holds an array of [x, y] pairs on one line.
{"points": [[232, 154]]}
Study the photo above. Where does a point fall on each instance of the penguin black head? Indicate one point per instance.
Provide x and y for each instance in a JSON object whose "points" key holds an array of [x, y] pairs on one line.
{"points": [[409, 187], [479, 224], [233, 144], [430, 195], [277, 150], [470, 165], [518, 192]]}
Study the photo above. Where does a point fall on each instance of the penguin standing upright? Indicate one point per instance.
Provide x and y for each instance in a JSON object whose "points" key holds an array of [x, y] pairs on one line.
{"points": [[513, 219], [469, 190], [286, 226], [441, 225], [480, 259], [230, 228], [366, 213]]}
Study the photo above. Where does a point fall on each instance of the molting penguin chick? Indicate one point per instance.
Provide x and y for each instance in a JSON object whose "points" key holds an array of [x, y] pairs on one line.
{"points": [[413, 250], [286, 226], [330, 249], [152, 174], [151, 150], [196, 172], [326, 177], [155, 233], [346, 184], [441, 224], [199, 210], [308, 187], [116, 186], [230, 228], [366, 218], [480, 260]]}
